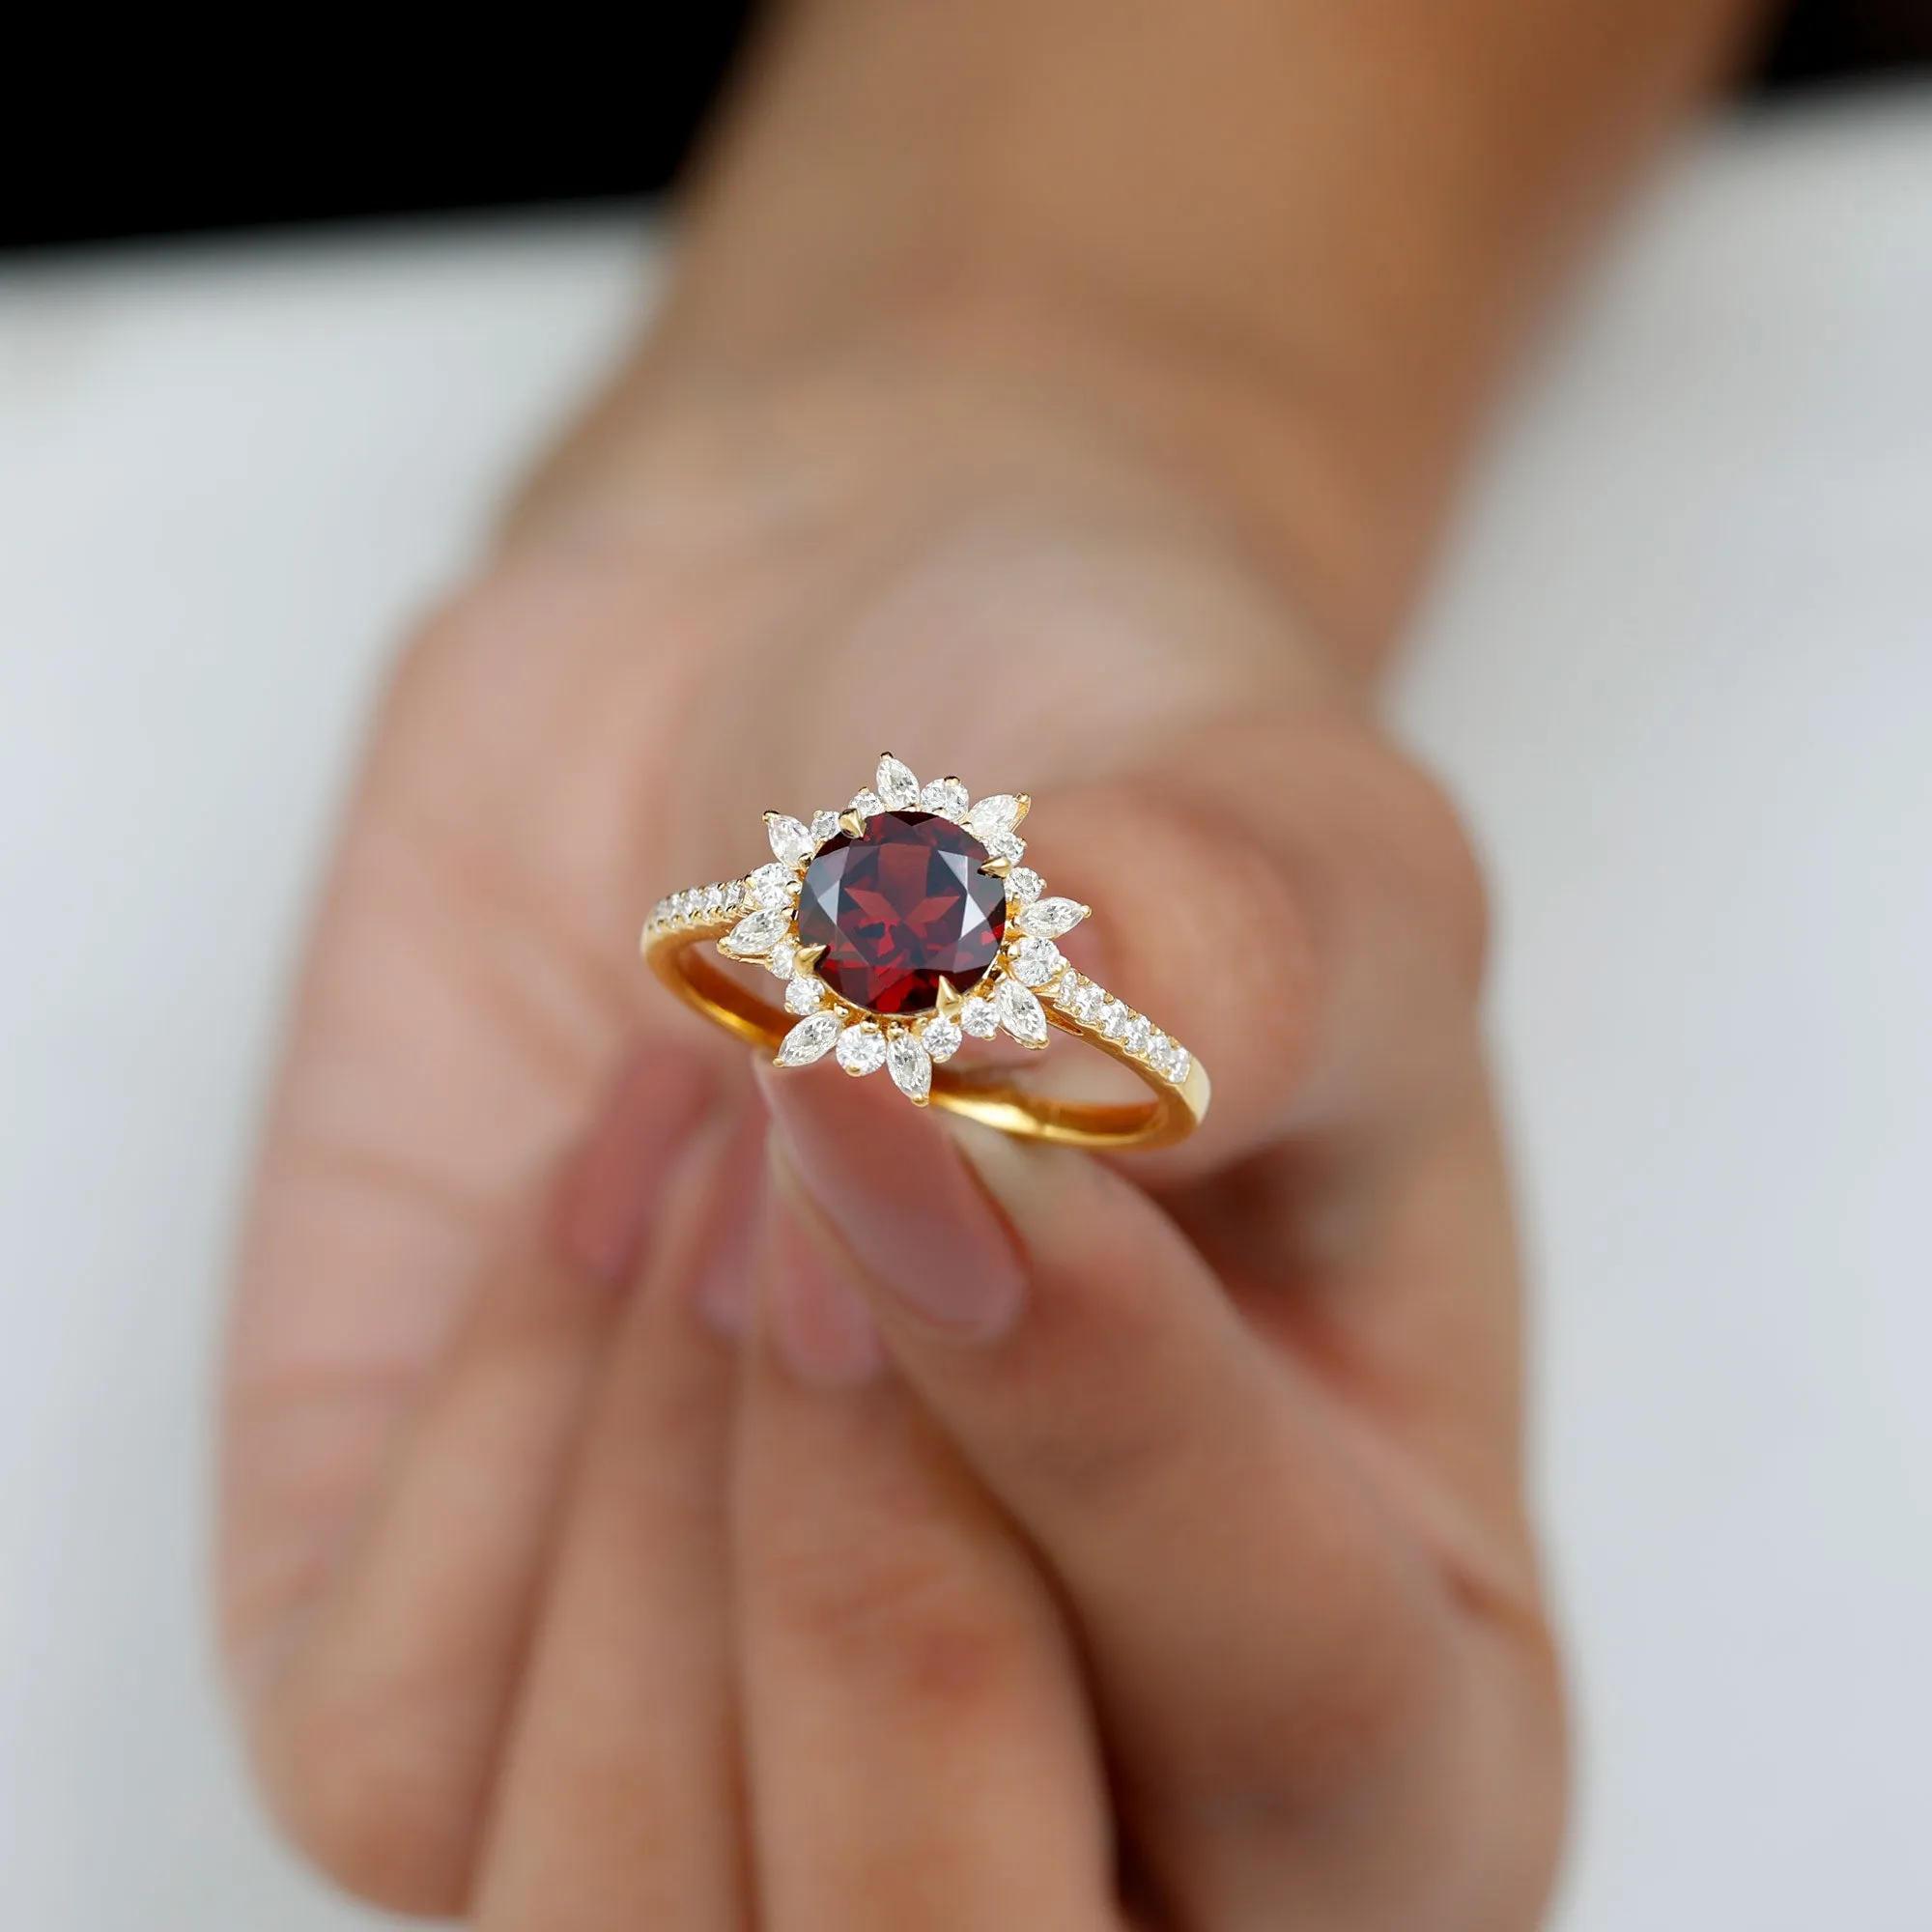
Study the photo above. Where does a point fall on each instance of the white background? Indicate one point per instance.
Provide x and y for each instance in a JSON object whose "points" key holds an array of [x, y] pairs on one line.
{"points": [[1680, 669]]}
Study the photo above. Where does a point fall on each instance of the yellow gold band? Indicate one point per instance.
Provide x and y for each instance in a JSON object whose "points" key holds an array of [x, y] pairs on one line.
{"points": [[1176, 1103]]}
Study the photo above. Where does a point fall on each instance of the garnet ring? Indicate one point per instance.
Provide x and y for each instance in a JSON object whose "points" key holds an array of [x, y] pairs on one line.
{"points": [[905, 930]]}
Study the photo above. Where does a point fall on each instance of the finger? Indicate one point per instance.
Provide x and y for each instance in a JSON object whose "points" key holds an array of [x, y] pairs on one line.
{"points": [[918, 1750], [1281, 1629], [376, 1684], [1293, 903], [620, 1805]]}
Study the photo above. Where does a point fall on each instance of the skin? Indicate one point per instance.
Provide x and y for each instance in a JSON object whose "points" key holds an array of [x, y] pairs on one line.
{"points": [[657, 1496]]}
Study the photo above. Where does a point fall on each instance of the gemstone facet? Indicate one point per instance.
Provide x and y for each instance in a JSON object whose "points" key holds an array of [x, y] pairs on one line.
{"points": [[900, 906]]}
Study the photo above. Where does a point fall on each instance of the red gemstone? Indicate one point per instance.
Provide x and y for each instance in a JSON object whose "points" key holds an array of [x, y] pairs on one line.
{"points": [[899, 907]]}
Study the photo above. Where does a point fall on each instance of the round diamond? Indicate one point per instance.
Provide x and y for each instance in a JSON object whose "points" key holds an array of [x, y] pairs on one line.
{"points": [[772, 885], [1024, 885], [899, 907], [942, 1038], [979, 1018], [1035, 962], [804, 996], [861, 1049], [947, 797]]}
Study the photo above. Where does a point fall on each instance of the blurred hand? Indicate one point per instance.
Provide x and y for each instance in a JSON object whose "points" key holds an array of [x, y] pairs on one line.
{"points": [[636, 1518]]}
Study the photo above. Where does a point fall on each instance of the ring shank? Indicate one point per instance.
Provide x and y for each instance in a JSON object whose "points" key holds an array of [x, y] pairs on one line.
{"points": [[1171, 1112]]}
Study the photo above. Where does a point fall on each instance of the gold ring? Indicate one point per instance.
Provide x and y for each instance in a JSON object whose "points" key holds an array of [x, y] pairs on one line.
{"points": [[903, 927]]}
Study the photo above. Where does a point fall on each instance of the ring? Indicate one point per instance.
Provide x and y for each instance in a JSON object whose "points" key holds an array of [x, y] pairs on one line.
{"points": [[903, 927]]}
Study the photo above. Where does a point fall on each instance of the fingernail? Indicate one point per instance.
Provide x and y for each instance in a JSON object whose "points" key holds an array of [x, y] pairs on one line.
{"points": [[606, 1199], [724, 1287], [892, 1185], [818, 1321]]}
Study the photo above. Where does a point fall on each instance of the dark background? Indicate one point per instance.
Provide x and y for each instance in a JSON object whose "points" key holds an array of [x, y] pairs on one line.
{"points": [[121, 130]]}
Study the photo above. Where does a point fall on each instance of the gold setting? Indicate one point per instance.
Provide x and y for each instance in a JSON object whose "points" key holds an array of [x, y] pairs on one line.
{"points": [[740, 921]]}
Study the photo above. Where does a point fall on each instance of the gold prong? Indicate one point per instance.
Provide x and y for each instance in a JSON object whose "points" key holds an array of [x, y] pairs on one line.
{"points": [[1024, 806], [951, 998], [808, 956], [998, 869], [850, 823]]}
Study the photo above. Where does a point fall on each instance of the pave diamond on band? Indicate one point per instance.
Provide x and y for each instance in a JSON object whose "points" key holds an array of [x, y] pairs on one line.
{"points": [[904, 928]]}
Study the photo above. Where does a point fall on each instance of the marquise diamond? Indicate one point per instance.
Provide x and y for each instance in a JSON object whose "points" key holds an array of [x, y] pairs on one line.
{"points": [[895, 783], [1020, 1014], [754, 937], [907, 1061], [791, 841], [810, 1040], [999, 813], [1051, 919]]}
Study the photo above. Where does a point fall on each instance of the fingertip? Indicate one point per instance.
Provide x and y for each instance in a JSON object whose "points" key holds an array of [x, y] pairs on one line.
{"points": [[894, 1189]]}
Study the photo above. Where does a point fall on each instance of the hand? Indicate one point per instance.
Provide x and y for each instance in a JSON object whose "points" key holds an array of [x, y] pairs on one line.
{"points": [[1071, 1538]]}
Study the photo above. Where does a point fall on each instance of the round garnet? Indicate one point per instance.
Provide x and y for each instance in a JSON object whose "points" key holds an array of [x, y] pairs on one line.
{"points": [[899, 907]]}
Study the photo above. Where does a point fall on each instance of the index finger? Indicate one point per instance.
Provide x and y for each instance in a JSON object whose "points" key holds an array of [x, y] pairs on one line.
{"points": [[1298, 904]]}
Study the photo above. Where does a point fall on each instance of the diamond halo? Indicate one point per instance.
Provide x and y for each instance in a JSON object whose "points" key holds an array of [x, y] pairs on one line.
{"points": [[895, 896]]}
